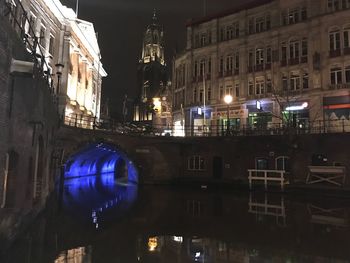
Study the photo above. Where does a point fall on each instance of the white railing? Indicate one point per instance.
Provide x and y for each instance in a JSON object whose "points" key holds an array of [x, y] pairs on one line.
{"points": [[267, 176]]}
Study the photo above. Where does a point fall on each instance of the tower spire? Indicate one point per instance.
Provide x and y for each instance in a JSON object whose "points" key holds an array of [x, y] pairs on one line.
{"points": [[154, 18]]}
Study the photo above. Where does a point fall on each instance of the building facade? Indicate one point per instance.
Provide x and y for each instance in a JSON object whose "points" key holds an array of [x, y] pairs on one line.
{"points": [[152, 104], [283, 62], [72, 55]]}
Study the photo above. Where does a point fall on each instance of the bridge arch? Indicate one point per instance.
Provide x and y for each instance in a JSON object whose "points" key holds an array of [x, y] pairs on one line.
{"points": [[101, 158]]}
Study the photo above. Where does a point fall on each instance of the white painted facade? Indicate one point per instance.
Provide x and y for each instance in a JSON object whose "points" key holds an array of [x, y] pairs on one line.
{"points": [[72, 42]]}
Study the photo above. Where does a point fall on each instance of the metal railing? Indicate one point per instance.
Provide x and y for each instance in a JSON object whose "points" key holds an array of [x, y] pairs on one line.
{"points": [[17, 16], [149, 129]]}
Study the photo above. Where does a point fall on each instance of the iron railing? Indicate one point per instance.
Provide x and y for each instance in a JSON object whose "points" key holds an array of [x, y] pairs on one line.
{"points": [[136, 128], [16, 14]]}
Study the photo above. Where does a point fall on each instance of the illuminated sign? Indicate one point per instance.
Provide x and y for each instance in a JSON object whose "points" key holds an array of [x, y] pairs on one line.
{"points": [[298, 107], [258, 105], [199, 111]]}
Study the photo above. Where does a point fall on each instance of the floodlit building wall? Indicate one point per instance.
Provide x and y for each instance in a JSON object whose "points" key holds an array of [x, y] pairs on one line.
{"points": [[279, 54]]}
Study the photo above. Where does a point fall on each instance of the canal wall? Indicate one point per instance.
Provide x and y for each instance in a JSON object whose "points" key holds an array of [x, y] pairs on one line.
{"points": [[28, 121]]}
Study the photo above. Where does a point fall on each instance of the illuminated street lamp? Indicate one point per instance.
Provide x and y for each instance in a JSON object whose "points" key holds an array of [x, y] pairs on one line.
{"points": [[228, 100]]}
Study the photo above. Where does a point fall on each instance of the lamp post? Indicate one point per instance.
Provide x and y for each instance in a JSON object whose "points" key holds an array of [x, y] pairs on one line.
{"points": [[59, 69], [228, 100]]}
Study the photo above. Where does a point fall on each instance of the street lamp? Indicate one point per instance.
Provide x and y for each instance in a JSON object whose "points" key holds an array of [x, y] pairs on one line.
{"points": [[228, 99], [59, 69]]}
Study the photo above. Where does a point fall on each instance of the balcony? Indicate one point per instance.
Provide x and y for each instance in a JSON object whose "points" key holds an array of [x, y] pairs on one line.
{"points": [[259, 67], [339, 86], [236, 71], [250, 69], [283, 63], [293, 61], [220, 74], [268, 66], [347, 51], [303, 59], [228, 73], [335, 53]]}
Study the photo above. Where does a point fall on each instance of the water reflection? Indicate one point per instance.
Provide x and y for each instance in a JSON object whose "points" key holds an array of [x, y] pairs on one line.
{"points": [[76, 255], [186, 225], [98, 197]]}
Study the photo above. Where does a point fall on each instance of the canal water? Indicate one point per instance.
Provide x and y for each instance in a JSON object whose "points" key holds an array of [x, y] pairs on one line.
{"points": [[100, 220]]}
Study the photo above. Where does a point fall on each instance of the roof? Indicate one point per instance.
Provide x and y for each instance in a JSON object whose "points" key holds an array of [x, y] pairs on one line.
{"points": [[228, 12]]}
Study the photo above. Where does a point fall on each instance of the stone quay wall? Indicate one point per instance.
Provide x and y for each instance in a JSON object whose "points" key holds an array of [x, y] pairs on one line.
{"points": [[28, 122]]}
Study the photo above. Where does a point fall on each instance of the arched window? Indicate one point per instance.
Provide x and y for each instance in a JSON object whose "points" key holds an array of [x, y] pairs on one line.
{"points": [[282, 163]]}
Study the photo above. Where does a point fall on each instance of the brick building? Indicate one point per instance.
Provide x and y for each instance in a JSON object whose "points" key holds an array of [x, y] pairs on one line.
{"points": [[283, 62]]}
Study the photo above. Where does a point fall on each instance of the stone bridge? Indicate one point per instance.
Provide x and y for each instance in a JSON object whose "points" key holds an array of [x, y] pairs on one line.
{"points": [[156, 158], [220, 159]]}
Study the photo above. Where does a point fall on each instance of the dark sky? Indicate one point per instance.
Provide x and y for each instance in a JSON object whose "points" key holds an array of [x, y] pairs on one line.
{"points": [[120, 25]]}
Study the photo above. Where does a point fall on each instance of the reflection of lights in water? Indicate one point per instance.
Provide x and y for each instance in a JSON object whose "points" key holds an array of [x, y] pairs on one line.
{"points": [[76, 255], [95, 194], [152, 243], [177, 239]]}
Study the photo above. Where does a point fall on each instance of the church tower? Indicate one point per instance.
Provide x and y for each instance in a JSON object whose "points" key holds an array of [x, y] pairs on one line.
{"points": [[152, 73]]}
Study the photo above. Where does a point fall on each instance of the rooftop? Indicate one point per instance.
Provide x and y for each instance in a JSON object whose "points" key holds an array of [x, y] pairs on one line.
{"points": [[236, 9]]}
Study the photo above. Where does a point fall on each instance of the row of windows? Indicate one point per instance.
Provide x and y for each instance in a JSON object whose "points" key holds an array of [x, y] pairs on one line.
{"points": [[336, 5], [46, 37], [197, 163], [198, 94], [338, 75], [255, 25], [263, 23], [261, 85]]}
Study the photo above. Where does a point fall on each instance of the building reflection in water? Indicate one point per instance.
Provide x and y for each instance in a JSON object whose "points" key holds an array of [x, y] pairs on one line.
{"points": [[76, 255], [162, 224]]}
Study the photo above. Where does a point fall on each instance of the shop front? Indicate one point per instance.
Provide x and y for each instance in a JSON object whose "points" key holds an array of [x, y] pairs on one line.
{"points": [[296, 115], [232, 123], [337, 113], [259, 115], [201, 121], [178, 125]]}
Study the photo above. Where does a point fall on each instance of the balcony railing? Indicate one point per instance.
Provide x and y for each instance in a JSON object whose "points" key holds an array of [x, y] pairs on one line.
{"points": [[335, 53], [347, 51], [339, 86], [270, 129], [259, 67], [303, 59], [228, 73], [293, 61]]}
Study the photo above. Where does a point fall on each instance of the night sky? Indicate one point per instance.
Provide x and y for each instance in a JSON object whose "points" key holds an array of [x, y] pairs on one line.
{"points": [[120, 25]]}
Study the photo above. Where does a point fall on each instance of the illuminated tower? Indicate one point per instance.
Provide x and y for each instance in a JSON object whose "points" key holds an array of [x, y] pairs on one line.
{"points": [[152, 76]]}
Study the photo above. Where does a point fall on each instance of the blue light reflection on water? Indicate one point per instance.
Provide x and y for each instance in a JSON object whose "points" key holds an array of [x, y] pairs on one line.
{"points": [[93, 189]]}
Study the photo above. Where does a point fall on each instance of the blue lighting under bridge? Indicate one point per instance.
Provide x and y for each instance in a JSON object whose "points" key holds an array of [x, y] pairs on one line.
{"points": [[99, 180]]}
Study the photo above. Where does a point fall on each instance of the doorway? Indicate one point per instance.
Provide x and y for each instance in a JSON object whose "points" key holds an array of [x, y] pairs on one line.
{"points": [[217, 167]]}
